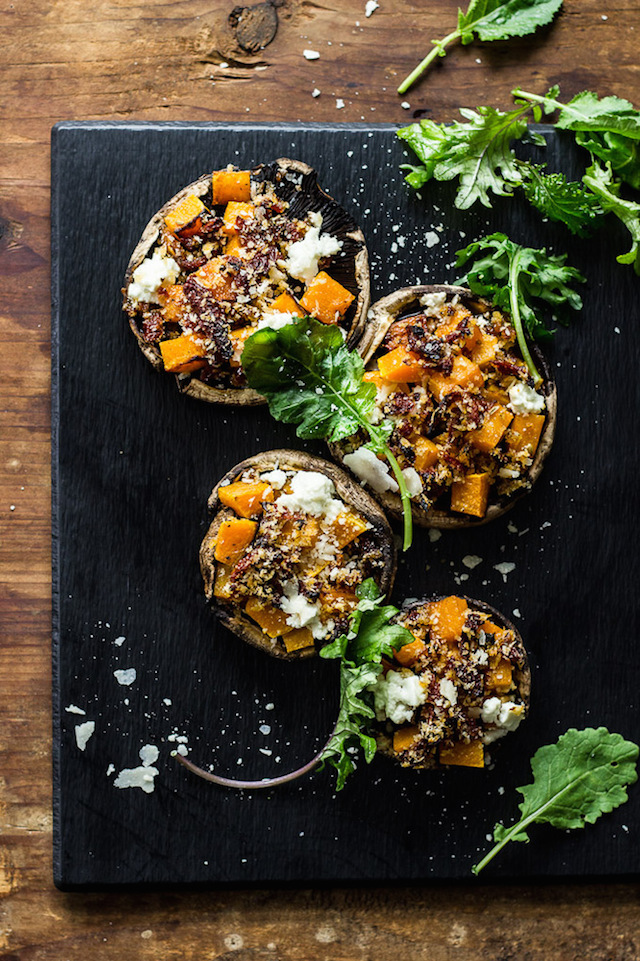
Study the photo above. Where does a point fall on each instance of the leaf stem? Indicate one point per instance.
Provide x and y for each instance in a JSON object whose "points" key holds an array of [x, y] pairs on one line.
{"points": [[404, 497], [517, 320], [536, 98], [438, 51]]}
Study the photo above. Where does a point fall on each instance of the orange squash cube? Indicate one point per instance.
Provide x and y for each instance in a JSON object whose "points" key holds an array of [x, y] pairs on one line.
{"points": [[245, 497], [499, 678], [465, 373], [447, 618], [271, 619], [467, 342], [326, 299], [238, 338], [213, 276], [342, 601], [182, 354], [228, 185], [401, 366], [464, 755], [298, 639], [495, 423], [174, 303], [235, 209], [471, 495], [485, 349], [185, 218], [427, 453], [347, 526], [233, 538], [409, 653], [525, 432], [222, 587], [285, 303], [404, 737]]}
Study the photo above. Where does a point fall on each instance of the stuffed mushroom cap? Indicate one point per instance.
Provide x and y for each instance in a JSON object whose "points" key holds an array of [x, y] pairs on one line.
{"points": [[291, 539], [161, 254], [390, 314]]}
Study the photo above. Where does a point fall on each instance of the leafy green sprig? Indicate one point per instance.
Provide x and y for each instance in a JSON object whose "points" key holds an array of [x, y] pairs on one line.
{"points": [[513, 277], [311, 379], [489, 20], [576, 780], [371, 637]]}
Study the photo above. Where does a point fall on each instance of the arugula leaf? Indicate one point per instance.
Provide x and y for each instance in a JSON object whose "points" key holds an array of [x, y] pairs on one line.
{"points": [[512, 277], [586, 111], [489, 20], [311, 379], [478, 152], [600, 180], [576, 780], [559, 199], [371, 637], [622, 153]]}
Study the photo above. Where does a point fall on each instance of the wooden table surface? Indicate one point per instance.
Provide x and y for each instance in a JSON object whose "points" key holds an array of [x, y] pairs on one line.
{"points": [[116, 60]]}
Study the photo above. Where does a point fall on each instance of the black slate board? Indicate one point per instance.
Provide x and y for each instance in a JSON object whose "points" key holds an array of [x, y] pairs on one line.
{"points": [[133, 464]]}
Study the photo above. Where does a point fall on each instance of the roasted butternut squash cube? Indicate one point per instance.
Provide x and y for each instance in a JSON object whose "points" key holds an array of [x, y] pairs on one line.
{"points": [[182, 354], [347, 526], [285, 303], [238, 338], [404, 737], [462, 754], [471, 495], [185, 218], [245, 497], [447, 618], [465, 373], [298, 639], [235, 209], [326, 299], [427, 453], [340, 601], [228, 185], [495, 423], [485, 349], [525, 432], [401, 366], [234, 248], [271, 619], [469, 340], [213, 276], [233, 538], [301, 534], [409, 653], [174, 303], [499, 677]]}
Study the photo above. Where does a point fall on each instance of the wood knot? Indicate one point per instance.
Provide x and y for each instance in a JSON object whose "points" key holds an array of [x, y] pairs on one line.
{"points": [[255, 27]]}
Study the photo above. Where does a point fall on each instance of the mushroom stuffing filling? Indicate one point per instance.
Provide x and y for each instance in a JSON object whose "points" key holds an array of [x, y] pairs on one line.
{"points": [[461, 684], [466, 417], [290, 554], [226, 264]]}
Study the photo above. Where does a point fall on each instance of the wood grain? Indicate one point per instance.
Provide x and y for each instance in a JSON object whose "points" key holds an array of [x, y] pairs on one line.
{"points": [[163, 60]]}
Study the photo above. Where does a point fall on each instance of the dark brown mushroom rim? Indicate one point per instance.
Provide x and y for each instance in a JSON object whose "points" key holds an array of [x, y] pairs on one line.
{"points": [[212, 313], [452, 423], [283, 556], [473, 668]]}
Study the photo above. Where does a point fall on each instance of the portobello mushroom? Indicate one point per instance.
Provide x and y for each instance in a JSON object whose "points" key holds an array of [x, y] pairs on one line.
{"points": [[235, 250], [469, 430], [459, 686], [292, 538]]}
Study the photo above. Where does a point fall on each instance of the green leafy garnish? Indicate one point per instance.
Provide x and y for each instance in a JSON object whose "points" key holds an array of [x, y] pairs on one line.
{"points": [[565, 201], [512, 277], [587, 111], [311, 379], [371, 636], [478, 152], [600, 180], [577, 779], [489, 20]]}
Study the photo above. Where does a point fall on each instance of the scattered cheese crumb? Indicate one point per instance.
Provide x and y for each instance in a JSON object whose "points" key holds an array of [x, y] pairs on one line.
{"points": [[431, 238], [119, 641], [315, 92], [471, 561], [339, 103], [405, 105], [505, 568], [84, 732], [142, 777], [311, 54], [371, 7], [72, 709], [125, 677]]}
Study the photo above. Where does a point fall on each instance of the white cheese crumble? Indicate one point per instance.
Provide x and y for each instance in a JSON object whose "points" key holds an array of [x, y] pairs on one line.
{"points": [[431, 238], [149, 275], [372, 471], [149, 754], [312, 492], [300, 611], [506, 567], [302, 259], [311, 54], [125, 677], [506, 716], [371, 7], [396, 695], [449, 691], [471, 561], [72, 709], [413, 481], [433, 302], [84, 732], [315, 92], [525, 400], [275, 478], [275, 319], [339, 103], [143, 776]]}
